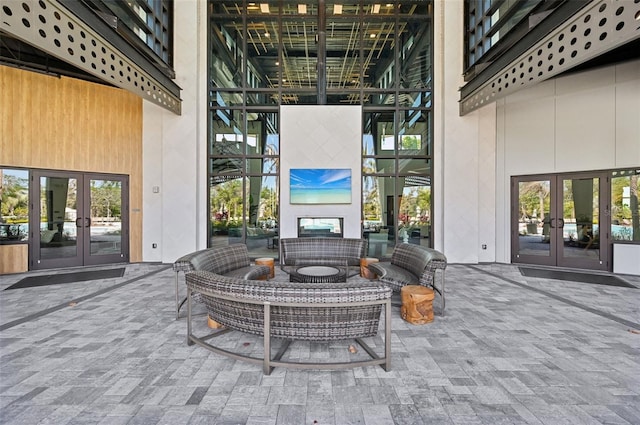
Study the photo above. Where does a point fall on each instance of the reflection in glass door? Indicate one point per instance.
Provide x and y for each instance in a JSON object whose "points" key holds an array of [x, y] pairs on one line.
{"points": [[533, 223], [580, 221], [105, 223], [80, 219], [56, 240], [558, 219]]}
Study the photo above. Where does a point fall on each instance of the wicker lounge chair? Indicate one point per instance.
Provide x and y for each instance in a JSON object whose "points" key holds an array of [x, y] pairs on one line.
{"points": [[340, 252], [232, 260], [412, 265]]}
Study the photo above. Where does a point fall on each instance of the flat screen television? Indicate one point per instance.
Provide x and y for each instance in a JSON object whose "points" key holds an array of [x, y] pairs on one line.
{"points": [[320, 185], [323, 227]]}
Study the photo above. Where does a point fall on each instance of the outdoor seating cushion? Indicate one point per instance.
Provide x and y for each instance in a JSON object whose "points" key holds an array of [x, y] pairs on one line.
{"points": [[410, 265], [312, 251], [399, 276]]}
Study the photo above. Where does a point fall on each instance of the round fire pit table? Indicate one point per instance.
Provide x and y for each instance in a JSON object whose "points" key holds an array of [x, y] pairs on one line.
{"points": [[318, 274]]}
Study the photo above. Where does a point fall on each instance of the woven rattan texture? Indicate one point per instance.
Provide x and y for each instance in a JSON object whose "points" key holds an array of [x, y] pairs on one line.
{"points": [[322, 251], [410, 265], [231, 260], [319, 322]]}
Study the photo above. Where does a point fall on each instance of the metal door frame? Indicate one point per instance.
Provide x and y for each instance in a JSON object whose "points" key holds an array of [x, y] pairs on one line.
{"points": [[83, 255], [556, 239]]}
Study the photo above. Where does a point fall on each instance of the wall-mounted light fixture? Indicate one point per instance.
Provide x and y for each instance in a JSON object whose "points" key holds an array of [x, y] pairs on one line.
{"points": [[264, 7], [337, 9], [302, 9], [376, 8]]}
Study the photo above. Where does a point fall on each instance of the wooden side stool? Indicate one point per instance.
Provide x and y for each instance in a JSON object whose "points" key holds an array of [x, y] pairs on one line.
{"points": [[364, 271], [267, 261], [417, 304], [213, 324]]}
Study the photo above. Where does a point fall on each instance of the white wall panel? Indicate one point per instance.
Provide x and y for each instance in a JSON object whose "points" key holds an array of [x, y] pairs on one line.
{"points": [[625, 259], [585, 127], [320, 136], [582, 82], [152, 176], [487, 183], [584, 121], [627, 109], [503, 247], [529, 134]]}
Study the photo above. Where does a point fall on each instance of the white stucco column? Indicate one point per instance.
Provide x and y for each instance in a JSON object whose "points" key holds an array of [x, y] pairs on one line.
{"points": [[174, 149], [462, 184]]}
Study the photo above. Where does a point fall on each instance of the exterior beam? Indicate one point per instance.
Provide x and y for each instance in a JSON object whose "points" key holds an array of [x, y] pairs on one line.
{"points": [[598, 28], [82, 39]]}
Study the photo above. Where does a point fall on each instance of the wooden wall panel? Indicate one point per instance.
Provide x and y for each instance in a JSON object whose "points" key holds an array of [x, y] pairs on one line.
{"points": [[68, 124], [14, 258]]}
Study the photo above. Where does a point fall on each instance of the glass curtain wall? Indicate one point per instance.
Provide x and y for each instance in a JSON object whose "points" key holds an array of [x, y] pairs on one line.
{"points": [[243, 128], [397, 134], [262, 55], [148, 24]]}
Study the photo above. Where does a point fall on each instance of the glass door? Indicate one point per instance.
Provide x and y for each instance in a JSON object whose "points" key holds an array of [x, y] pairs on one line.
{"points": [[582, 207], [557, 220], [54, 221], [77, 219], [106, 222], [533, 226]]}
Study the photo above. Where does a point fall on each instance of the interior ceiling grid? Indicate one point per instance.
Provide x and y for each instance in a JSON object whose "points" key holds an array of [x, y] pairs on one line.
{"points": [[299, 47], [598, 28], [50, 27]]}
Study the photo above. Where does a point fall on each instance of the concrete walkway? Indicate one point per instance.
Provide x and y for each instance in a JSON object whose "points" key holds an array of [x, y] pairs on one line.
{"points": [[510, 350]]}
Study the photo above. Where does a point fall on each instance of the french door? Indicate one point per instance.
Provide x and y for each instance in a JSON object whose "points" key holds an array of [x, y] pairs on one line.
{"points": [[561, 220], [78, 219]]}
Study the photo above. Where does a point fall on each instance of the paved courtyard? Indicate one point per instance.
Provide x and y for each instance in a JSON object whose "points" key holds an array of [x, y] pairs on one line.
{"points": [[509, 350]]}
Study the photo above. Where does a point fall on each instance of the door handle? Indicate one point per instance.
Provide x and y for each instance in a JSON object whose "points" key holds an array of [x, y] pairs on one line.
{"points": [[87, 222], [551, 225], [78, 223], [561, 220]]}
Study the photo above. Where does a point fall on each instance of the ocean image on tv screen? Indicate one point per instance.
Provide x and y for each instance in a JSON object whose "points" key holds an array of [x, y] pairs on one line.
{"points": [[320, 186]]}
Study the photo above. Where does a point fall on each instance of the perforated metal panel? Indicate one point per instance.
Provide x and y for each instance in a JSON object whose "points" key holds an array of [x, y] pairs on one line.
{"points": [[600, 27], [52, 28]]}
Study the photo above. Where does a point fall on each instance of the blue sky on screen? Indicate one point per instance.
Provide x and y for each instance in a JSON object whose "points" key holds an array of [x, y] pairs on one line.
{"points": [[321, 177]]}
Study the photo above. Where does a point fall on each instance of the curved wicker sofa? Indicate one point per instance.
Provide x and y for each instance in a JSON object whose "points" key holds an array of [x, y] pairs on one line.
{"points": [[292, 311], [232, 260], [412, 265], [311, 251]]}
